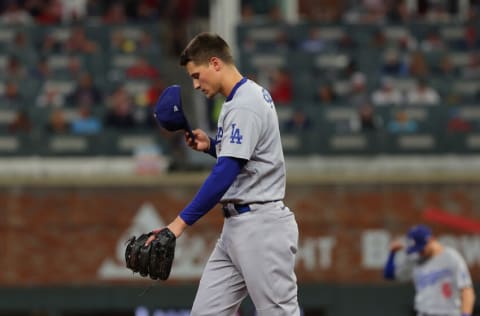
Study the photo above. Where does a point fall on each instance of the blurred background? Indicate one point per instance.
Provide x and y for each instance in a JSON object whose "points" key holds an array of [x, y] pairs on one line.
{"points": [[379, 109]]}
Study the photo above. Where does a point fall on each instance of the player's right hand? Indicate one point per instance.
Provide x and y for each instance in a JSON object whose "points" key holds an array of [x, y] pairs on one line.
{"points": [[201, 142], [396, 245]]}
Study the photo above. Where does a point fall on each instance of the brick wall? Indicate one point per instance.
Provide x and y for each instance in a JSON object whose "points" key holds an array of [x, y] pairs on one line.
{"points": [[66, 234]]}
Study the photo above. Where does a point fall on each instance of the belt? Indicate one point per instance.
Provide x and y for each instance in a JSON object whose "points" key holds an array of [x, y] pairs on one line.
{"points": [[232, 209]]}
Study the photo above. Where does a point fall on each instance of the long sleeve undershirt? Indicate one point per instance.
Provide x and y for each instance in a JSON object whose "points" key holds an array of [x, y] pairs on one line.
{"points": [[220, 179]]}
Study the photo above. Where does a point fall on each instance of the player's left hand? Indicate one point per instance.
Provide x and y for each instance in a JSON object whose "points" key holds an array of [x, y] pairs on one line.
{"points": [[154, 259]]}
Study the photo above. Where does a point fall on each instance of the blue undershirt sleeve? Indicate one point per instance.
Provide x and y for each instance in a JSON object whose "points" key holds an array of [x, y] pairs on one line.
{"points": [[389, 269], [212, 150], [220, 179]]}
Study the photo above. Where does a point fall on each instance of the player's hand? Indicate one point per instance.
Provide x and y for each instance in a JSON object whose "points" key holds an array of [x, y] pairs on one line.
{"points": [[153, 236], [396, 245], [177, 226], [201, 141]]}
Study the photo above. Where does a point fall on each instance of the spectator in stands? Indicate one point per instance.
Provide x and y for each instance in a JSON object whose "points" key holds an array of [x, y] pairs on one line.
{"points": [[367, 118], [11, 96], [21, 123], [366, 11], [472, 69], [379, 40], [120, 113], [275, 14], [314, 43], [247, 13], [281, 88], [423, 94], [57, 122], [79, 43], [433, 42], [321, 11], [115, 14], [33, 7], [402, 123], [142, 45], [472, 40], [393, 65], [50, 13], [74, 67], [457, 123], [41, 71], [387, 94], [445, 68], [21, 48], [326, 94], [142, 69], [85, 93], [85, 123], [417, 65], [146, 44], [147, 11], [398, 12], [154, 91], [299, 121], [15, 15], [73, 11], [14, 69], [119, 42], [49, 45], [358, 95], [50, 97]]}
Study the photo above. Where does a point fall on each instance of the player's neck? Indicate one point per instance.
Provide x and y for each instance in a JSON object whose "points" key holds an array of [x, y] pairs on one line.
{"points": [[437, 248], [231, 77]]}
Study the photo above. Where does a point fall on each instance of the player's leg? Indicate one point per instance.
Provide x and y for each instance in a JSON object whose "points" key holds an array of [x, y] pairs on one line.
{"points": [[221, 288], [266, 256]]}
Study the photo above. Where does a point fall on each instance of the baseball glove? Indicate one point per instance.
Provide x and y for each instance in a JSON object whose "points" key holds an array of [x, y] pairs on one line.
{"points": [[154, 260]]}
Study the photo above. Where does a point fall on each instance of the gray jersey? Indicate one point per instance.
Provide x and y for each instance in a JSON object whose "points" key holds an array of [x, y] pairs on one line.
{"points": [[248, 129], [438, 281]]}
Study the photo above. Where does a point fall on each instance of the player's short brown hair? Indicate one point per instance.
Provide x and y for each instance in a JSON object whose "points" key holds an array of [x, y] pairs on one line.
{"points": [[205, 46]]}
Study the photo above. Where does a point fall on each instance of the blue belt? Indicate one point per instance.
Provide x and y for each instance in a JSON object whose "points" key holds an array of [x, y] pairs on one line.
{"points": [[231, 209], [234, 209]]}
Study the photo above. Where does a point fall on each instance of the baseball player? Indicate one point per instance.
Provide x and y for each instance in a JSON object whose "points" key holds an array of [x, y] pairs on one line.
{"points": [[255, 253], [442, 281]]}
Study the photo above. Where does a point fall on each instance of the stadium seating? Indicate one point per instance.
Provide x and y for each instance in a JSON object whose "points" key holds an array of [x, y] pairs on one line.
{"points": [[313, 54]]}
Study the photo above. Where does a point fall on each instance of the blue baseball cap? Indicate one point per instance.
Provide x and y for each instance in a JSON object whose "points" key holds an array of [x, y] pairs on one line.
{"points": [[417, 238], [168, 110]]}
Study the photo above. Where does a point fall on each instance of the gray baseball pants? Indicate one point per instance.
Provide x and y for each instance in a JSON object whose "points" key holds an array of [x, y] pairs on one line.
{"points": [[255, 255]]}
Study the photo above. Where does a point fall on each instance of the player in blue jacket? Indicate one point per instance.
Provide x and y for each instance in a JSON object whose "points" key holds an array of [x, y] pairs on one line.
{"points": [[443, 286], [255, 253]]}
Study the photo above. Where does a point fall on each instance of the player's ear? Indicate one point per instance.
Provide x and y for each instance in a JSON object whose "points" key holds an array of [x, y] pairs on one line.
{"points": [[216, 63]]}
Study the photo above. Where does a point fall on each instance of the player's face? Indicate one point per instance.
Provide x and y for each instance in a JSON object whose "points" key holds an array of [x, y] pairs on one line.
{"points": [[205, 77]]}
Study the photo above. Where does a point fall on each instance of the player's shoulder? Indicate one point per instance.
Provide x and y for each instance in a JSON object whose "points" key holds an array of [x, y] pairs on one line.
{"points": [[251, 94], [453, 253]]}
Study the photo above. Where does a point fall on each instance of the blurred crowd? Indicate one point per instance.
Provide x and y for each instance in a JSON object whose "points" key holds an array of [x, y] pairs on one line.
{"points": [[95, 64], [89, 64], [367, 55]]}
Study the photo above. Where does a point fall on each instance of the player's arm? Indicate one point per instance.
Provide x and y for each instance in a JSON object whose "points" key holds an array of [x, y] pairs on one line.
{"points": [[464, 283], [217, 183], [201, 142], [391, 271], [467, 298]]}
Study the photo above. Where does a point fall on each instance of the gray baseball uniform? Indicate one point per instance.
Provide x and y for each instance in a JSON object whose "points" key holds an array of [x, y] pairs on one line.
{"points": [[255, 254], [438, 281]]}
